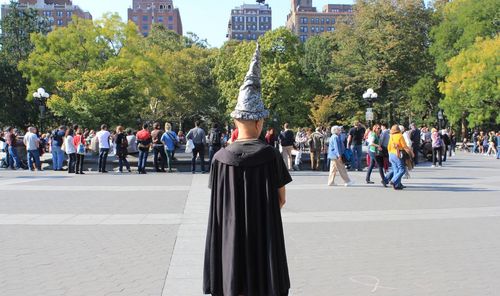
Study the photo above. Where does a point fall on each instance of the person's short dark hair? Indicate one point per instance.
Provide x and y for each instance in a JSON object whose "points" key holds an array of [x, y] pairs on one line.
{"points": [[104, 127], [215, 125], [75, 127], [145, 126], [156, 125], [197, 123], [129, 131]]}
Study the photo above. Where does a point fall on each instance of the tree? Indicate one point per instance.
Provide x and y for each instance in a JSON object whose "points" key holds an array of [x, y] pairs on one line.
{"points": [[385, 48], [461, 22], [284, 87], [94, 97], [425, 97], [15, 46], [472, 86], [83, 45], [317, 61]]}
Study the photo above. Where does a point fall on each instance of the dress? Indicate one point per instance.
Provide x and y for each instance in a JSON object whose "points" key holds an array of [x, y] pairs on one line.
{"points": [[245, 248]]}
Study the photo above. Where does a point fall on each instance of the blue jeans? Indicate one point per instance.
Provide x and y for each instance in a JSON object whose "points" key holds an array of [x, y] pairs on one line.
{"points": [[34, 155], [14, 158], [474, 147], [375, 159], [211, 152], [498, 152], [103, 158], [397, 170], [143, 158], [57, 157], [357, 152]]}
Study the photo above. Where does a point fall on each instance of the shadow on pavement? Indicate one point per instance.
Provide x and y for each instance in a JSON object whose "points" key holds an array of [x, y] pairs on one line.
{"points": [[447, 189]]}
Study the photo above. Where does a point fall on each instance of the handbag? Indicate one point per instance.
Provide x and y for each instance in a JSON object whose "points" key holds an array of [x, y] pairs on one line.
{"points": [[189, 146]]}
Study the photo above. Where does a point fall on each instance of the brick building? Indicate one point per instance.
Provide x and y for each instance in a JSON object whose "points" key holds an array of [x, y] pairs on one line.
{"points": [[58, 12], [249, 22], [145, 13], [305, 21]]}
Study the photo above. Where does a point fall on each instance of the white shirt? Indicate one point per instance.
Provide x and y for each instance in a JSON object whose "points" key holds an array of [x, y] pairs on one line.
{"points": [[103, 137], [70, 146], [31, 141]]}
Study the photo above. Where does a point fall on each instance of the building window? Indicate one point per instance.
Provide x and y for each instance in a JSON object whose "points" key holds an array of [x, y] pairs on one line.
{"points": [[160, 19], [145, 27], [47, 13], [312, 29], [327, 20], [322, 29], [333, 21], [317, 20], [171, 27], [59, 22], [59, 13], [145, 18], [135, 18], [69, 13], [322, 21], [170, 19]]}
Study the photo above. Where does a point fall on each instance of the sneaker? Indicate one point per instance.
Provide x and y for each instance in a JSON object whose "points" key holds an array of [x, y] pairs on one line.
{"points": [[433, 166], [369, 182], [350, 183], [384, 183]]}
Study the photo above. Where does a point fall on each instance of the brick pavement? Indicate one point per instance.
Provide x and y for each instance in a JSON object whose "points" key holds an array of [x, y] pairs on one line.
{"points": [[144, 235]]}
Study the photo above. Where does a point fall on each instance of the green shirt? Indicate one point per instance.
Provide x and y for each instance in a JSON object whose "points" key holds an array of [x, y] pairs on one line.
{"points": [[373, 139]]}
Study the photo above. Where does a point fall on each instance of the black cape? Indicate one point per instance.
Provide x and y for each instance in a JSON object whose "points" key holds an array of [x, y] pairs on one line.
{"points": [[245, 247]]}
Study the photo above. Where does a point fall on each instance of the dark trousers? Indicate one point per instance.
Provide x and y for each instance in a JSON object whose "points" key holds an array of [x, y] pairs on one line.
{"points": [[143, 158], [375, 159], [435, 152], [122, 161], [445, 152], [199, 150], [326, 163], [71, 163], [79, 162], [34, 159], [415, 151], [7, 156], [211, 152], [159, 152], [103, 157]]}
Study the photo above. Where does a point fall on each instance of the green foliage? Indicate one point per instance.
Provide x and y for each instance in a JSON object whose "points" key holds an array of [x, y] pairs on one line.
{"points": [[425, 98], [461, 22], [101, 96], [384, 48], [472, 87]]}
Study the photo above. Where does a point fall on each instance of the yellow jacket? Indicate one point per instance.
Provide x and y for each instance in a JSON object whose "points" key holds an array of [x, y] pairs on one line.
{"points": [[396, 143]]}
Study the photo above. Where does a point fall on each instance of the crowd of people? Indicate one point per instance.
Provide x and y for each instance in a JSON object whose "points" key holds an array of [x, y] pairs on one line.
{"points": [[334, 149]]}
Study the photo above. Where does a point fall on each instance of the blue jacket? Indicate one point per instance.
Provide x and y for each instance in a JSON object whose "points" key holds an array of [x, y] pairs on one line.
{"points": [[335, 147]]}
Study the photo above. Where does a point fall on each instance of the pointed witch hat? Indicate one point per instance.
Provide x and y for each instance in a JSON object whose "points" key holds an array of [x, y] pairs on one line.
{"points": [[250, 105]]}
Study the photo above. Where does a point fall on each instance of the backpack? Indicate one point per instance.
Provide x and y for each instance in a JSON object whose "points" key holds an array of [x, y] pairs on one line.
{"points": [[56, 137], [215, 138], [124, 142]]}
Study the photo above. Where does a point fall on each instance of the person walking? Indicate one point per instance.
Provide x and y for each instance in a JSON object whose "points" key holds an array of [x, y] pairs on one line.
{"points": [[355, 141], [103, 143], [56, 142], [437, 148], [69, 146], [301, 142], [170, 140], [144, 143], [492, 145], [316, 145], [498, 144], [32, 143], [446, 143], [453, 140], [121, 144], [396, 146], [286, 141], [335, 152], [245, 248], [197, 135], [159, 156], [384, 142], [326, 136], [375, 152], [415, 137], [80, 144], [214, 142]]}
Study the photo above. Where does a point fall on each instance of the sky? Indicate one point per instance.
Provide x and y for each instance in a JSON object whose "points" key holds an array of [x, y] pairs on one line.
{"points": [[194, 13]]}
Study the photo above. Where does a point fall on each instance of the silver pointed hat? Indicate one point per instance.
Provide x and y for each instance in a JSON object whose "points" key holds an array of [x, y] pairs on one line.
{"points": [[250, 105]]}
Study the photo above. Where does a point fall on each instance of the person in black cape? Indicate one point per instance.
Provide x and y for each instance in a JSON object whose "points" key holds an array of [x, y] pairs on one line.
{"points": [[245, 247]]}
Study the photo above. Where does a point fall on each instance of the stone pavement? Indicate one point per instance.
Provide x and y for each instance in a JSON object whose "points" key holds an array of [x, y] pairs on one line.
{"points": [[144, 234]]}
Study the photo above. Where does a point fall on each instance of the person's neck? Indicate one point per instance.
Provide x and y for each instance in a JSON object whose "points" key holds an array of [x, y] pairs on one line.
{"points": [[242, 135]]}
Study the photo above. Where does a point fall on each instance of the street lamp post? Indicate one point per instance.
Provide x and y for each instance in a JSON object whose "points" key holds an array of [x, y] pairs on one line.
{"points": [[370, 95], [40, 97]]}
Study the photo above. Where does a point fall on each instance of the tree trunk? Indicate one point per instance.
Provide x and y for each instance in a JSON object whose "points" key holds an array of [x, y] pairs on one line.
{"points": [[464, 126]]}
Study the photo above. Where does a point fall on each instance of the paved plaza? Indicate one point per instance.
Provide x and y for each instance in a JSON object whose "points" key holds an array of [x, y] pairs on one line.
{"points": [[140, 235]]}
